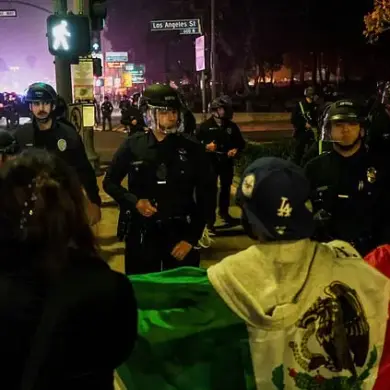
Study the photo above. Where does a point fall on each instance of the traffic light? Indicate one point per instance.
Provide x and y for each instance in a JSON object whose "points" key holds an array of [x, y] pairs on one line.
{"points": [[68, 36], [97, 67], [96, 42], [98, 12]]}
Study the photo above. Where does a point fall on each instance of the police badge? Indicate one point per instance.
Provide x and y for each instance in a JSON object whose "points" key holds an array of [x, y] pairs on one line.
{"points": [[371, 175], [229, 131]]}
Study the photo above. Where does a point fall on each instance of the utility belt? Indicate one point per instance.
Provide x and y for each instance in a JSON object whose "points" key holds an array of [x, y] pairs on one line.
{"points": [[129, 225]]}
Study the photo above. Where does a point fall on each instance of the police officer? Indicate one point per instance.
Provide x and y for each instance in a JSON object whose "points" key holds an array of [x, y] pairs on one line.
{"points": [[135, 99], [132, 118], [223, 142], [161, 220], [8, 146], [350, 184], [49, 131], [304, 120], [107, 108]]}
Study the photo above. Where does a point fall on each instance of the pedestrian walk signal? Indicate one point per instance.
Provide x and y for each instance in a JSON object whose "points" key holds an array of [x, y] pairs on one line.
{"points": [[68, 36]]}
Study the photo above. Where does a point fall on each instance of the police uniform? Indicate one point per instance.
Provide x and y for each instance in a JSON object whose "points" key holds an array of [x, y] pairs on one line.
{"points": [[304, 112], [226, 136], [168, 174], [351, 198], [64, 141], [107, 109]]}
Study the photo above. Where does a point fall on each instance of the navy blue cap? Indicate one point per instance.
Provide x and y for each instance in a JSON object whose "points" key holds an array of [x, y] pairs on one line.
{"points": [[274, 195]]}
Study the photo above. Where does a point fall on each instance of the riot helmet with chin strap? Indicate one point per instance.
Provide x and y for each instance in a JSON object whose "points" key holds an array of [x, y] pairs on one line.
{"points": [[222, 102], [42, 93], [343, 111], [161, 98]]}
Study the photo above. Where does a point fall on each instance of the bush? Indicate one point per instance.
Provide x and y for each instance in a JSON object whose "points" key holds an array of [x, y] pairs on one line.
{"points": [[255, 150]]}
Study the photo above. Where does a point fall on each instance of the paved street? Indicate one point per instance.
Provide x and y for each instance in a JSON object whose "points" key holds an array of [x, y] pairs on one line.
{"points": [[228, 242]]}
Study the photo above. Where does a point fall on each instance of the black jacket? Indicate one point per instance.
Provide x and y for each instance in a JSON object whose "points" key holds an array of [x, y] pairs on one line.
{"points": [[352, 195], [63, 140], [95, 322], [167, 173], [227, 136]]}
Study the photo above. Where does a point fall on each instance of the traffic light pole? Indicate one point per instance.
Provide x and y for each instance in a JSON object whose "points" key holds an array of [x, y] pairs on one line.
{"points": [[62, 66], [81, 7]]}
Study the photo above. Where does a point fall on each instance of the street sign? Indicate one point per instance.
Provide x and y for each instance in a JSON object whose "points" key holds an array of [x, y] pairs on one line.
{"points": [[117, 56], [114, 65], [137, 72], [8, 13], [199, 54], [83, 80], [190, 31], [190, 26]]}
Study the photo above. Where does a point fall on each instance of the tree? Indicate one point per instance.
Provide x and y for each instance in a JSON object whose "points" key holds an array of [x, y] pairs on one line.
{"points": [[272, 64], [377, 21]]}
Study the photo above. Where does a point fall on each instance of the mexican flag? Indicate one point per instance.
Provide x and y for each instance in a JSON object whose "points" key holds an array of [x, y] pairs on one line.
{"points": [[186, 333], [243, 325]]}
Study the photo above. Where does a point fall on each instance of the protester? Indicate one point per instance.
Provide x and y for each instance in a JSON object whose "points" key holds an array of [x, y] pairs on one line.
{"points": [[287, 313], [63, 323]]}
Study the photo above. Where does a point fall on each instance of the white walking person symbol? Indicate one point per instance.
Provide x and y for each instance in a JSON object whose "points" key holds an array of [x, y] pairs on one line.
{"points": [[60, 34]]}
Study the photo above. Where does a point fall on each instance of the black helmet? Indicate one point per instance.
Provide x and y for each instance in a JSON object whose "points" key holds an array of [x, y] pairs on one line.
{"points": [[8, 144], [41, 92], [161, 97], [344, 111], [224, 102], [341, 111], [309, 92]]}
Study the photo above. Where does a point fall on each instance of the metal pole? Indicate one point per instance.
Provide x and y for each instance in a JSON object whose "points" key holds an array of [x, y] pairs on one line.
{"points": [[62, 66], [203, 89], [81, 7], [212, 52]]}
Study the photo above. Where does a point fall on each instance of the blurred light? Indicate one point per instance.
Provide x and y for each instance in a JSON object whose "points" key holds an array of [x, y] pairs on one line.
{"points": [[61, 34]]}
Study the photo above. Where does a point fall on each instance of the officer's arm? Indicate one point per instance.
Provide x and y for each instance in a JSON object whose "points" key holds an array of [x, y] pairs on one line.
{"points": [[201, 133], [239, 142], [87, 176], [203, 189], [297, 119], [117, 171]]}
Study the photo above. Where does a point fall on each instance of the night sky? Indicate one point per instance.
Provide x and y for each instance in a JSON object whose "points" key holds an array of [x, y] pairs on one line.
{"points": [[278, 26]]}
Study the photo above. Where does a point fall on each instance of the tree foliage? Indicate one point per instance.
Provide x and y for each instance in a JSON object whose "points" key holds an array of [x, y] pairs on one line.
{"points": [[378, 20]]}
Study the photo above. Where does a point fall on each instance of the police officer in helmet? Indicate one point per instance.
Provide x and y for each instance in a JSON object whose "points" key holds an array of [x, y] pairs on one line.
{"points": [[8, 146], [304, 120], [162, 221], [350, 184], [48, 131], [223, 142]]}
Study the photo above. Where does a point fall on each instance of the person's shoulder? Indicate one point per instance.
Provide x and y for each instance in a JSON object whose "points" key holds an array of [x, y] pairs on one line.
{"points": [[318, 161], [67, 129]]}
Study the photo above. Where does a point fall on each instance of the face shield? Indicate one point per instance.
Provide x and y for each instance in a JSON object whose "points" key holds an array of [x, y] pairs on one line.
{"points": [[346, 132], [167, 120]]}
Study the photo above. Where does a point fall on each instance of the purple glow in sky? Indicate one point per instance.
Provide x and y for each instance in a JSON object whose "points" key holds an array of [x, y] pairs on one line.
{"points": [[24, 56]]}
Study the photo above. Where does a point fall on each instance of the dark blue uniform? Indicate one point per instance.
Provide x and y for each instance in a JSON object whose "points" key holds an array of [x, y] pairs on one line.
{"points": [[173, 176]]}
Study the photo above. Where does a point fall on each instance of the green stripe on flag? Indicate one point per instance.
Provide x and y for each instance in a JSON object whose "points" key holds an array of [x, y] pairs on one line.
{"points": [[188, 338]]}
